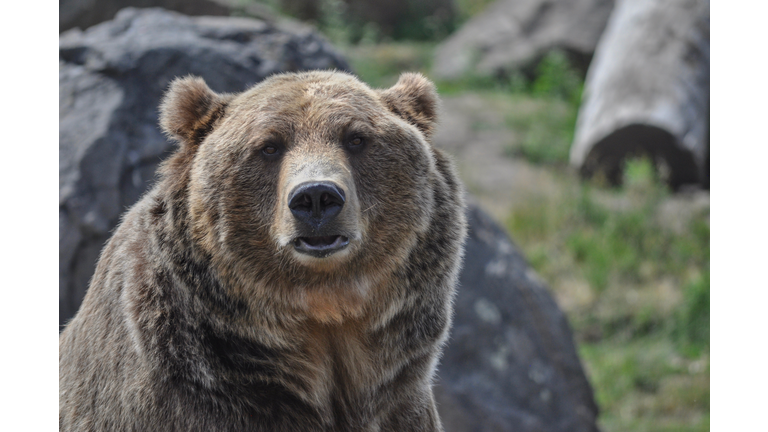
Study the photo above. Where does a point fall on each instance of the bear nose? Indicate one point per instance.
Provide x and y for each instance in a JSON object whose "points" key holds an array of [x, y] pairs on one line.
{"points": [[316, 203]]}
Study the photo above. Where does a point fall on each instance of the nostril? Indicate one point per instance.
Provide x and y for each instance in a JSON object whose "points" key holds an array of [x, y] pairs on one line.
{"points": [[305, 201], [335, 198], [301, 202]]}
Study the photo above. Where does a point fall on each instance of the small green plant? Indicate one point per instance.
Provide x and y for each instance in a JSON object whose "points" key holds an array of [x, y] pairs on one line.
{"points": [[556, 78], [639, 174]]}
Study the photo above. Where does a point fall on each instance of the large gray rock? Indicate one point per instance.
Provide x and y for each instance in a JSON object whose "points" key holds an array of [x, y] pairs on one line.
{"points": [[516, 34], [111, 79], [647, 92], [510, 364]]}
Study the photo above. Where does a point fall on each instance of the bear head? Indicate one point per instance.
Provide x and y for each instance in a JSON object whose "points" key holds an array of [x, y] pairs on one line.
{"points": [[312, 186]]}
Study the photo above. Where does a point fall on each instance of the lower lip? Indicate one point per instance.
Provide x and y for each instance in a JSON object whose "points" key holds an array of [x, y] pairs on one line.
{"points": [[323, 250]]}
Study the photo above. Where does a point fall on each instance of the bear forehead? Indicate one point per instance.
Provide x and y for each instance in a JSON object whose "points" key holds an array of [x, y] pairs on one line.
{"points": [[302, 92], [308, 102]]}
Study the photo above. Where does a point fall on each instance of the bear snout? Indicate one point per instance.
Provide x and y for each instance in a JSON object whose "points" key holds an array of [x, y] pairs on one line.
{"points": [[316, 203], [314, 206]]}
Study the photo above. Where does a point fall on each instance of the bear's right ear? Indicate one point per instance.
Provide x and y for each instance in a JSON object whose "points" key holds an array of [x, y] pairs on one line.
{"points": [[190, 108]]}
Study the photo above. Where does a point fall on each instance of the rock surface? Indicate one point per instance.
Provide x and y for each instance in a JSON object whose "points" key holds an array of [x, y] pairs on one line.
{"points": [[510, 363], [516, 34], [111, 78], [647, 92]]}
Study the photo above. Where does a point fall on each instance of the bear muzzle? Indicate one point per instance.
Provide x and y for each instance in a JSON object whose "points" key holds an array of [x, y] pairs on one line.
{"points": [[315, 206]]}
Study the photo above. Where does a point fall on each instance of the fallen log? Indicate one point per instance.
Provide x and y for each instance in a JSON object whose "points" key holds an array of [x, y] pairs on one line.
{"points": [[647, 93], [514, 35]]}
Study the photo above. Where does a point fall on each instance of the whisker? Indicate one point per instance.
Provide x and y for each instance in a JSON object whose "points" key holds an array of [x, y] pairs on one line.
{"points": [[263, 226]]}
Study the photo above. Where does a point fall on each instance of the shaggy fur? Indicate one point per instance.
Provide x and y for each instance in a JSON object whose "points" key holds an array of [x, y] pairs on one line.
{"points": [[202, 316]]}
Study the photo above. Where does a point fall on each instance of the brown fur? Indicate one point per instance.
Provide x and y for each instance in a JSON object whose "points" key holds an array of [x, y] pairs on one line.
{"points": [[201, 316]]}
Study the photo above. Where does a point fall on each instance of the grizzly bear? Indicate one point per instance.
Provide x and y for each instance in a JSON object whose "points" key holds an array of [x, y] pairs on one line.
{"points": [[292, 269]]}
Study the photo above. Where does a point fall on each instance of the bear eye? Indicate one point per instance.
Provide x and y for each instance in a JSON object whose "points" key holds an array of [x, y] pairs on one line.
{"points": [[356, 143], [271, 151]]}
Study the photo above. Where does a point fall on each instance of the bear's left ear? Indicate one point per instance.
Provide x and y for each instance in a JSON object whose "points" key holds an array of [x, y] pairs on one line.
{"points": [[414, 98], [190, 108]]}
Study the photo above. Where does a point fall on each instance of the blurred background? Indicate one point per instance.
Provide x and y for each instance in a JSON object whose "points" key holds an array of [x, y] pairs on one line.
{"points": [[581, 127]]}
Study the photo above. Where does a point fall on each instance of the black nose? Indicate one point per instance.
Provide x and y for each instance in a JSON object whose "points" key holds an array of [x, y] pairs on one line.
{"points": [[316, 203]]}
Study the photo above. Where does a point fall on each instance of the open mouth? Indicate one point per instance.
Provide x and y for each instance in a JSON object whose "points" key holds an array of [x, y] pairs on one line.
{"points": [[321, 247]]}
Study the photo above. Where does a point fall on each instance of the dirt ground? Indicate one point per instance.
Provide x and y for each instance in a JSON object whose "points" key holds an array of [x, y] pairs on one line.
{"points": [[473, 128]]}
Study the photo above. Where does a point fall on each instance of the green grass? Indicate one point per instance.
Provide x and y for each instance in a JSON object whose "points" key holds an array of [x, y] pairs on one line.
{"points": [[644, 333], [645, 385], [626, 243], [545, 133], [691, 325]]}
